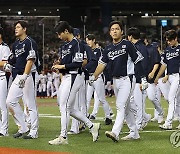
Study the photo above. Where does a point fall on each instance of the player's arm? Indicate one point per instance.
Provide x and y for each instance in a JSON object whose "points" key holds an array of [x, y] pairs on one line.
{"points": [[161, 71], [99, 70], [28, 66], [102, 64], [151, 74], [2, 63]]}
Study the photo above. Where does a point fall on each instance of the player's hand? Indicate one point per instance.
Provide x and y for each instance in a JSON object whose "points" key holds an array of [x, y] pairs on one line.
{"points": [[144, 84], [22, 80], [7, 67], [54, 67], [151, 75], [91, 80], [165, 79], [56, 62]]}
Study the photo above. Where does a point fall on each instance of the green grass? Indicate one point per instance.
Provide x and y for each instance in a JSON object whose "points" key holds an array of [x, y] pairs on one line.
{"points": [[150, 142]]}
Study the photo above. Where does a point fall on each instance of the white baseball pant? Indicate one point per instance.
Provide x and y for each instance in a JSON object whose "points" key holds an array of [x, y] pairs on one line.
{"points": [[98, 86], [3, 106], [70, 85], [174, 81], [122, 89]]}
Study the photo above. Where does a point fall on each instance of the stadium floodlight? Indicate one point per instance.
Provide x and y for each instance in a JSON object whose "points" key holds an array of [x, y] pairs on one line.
{"points": [[146, 14], [19, 12]]}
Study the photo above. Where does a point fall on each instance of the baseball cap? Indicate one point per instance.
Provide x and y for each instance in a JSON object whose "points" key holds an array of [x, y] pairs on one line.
{"points": [[76, 32]]}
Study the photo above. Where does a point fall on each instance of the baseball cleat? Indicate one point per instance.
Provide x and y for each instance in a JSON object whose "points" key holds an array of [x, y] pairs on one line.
{"points": [[112, 136], [130, 137], [59, 141], [17, 135], [92, 117], [29, 137], [72, 133], [112, 115], [2, 135], [95, 131], [108, 121], [166, 127]]}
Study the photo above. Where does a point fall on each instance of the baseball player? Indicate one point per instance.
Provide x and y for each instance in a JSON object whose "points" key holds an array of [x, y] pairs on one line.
{"points": [[80, 101], [153, 90], [139, 95], [42, 84], [98, 85], [71, 58], [171, 61], [56, 82], [4, 54], [118, 52], [50, 88], [23, 57]]}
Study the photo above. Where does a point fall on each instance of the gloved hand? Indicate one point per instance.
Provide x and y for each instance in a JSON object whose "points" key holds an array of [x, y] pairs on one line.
{"points": [[22, 80], [144, 83], [91, 80], [7, 67]]}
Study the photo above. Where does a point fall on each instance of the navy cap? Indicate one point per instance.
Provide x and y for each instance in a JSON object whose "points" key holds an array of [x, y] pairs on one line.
{"points": [[76, 32]]}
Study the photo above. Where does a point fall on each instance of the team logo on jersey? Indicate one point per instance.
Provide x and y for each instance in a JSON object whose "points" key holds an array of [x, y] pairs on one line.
{"points": [[172, 55], [65, 53], [123, 46], [20, 51], [113, 54]]}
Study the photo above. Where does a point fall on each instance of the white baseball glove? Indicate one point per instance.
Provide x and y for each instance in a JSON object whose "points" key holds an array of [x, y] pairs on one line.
{"points": [[7, 67], [91, 80], [22, 80], [144, 83]]}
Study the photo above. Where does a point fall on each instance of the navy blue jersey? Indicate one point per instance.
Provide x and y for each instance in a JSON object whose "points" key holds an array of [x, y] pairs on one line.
{"points": [[119, 55], [154, 58], [172, 59], [143, 50], [97, 52], [71, 55], [91, 60], [23, 51]]}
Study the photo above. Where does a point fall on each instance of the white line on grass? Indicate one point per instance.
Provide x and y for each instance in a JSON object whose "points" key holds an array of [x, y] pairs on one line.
{"points": [[102, 119]]}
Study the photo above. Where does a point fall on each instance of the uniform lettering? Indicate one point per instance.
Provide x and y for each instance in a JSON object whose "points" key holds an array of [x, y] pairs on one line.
{"points": [[172, 55], [113, 54]]}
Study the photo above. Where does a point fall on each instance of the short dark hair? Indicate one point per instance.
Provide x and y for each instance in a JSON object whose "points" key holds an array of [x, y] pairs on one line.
{"points": [[90, 37], [76, 31], [23, 23], [135, 32], [171, 35], [62, 26], [1, 31], [116, 22]]}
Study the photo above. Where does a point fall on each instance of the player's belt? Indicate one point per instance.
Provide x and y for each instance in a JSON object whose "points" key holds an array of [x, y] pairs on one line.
{"points": [[118, 77], [173, 73]]}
